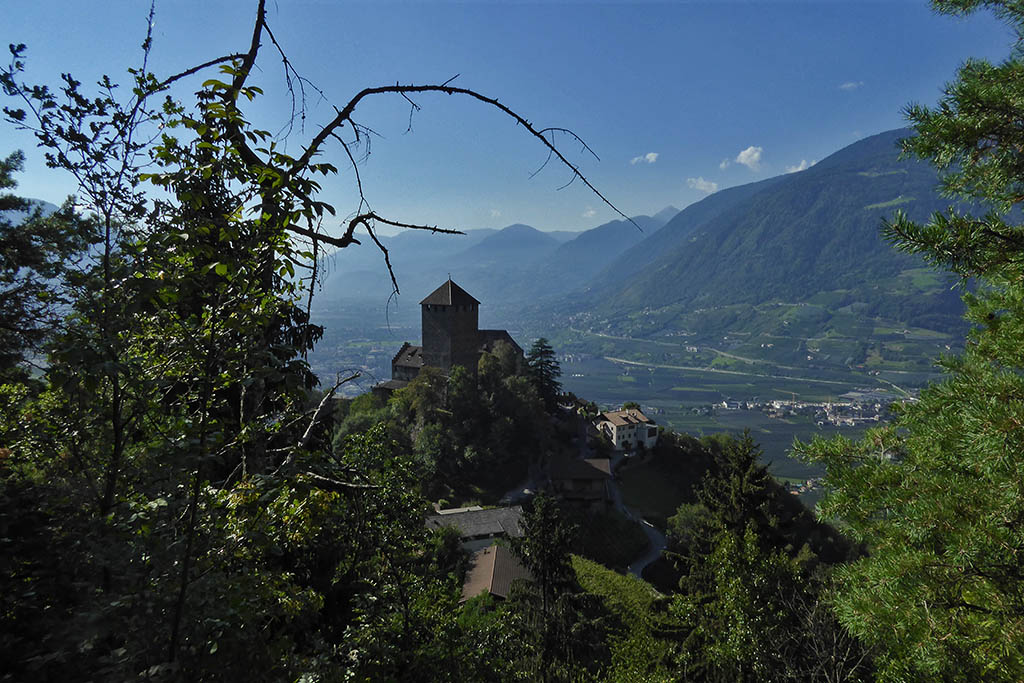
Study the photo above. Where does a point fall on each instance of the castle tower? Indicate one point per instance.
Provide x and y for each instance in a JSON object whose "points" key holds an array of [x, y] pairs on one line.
{"points": [[450, 318]]}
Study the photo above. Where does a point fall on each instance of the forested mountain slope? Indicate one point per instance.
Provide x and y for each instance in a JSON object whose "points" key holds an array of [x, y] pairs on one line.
{"points": [[811, 237]]}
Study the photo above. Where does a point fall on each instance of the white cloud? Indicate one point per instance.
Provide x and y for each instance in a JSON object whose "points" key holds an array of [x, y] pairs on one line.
{"points": [[802, 166], [701, 185], [750, 157], [724, 164], [851, 85], [648, 158], [589, 213], [495, 213]]}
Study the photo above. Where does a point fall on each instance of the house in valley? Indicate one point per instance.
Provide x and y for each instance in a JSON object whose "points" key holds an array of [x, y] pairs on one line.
{"points": [[628, 429], [479, 528], [586, 481]]}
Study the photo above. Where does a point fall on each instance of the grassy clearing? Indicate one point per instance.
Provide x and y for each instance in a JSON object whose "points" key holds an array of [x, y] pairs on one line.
{"points": [[892, 202], [637, 654], [925, 279]]}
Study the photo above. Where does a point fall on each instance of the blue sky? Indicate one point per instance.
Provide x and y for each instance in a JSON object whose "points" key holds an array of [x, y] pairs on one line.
{"points": [[677, 99]]}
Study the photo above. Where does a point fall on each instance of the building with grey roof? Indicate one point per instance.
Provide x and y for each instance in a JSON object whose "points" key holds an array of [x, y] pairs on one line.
{"points": [[450, 318], [478, 528]]}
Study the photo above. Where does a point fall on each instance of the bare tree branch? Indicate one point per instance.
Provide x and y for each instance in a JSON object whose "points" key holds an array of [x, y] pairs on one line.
{"points": [[345, 115], [313, 422], [329, 484]]}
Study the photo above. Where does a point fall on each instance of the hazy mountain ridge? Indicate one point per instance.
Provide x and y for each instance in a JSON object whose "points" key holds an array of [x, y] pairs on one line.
{"points": [[16, 217], [501, 266], [811, 238]]}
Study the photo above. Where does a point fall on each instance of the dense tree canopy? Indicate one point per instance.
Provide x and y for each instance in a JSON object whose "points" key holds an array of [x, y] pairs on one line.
{"points": [[937, 497], [36, 252], [544, 371], [171, 503]]}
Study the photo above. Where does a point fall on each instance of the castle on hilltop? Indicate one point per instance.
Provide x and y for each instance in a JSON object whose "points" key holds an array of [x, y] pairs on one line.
{"points": [[451, 336]]}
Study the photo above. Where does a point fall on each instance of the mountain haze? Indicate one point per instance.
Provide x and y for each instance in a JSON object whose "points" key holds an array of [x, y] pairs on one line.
{"points": [[810, 238], [500, 265]]}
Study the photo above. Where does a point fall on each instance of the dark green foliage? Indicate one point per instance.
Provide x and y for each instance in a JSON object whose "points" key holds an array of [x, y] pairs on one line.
{"points": [[544, 371], [669, 476], [638, 636], [565, 627], [472, 436], [608, 538], [36, 253], [170, 507], [937, 497], [748, 602]]}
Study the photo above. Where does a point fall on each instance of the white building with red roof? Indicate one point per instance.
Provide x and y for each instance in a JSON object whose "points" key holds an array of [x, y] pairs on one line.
{"points": [[628, 429]]}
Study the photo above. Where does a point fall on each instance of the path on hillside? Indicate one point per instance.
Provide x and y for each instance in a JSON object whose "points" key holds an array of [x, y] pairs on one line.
{"points": [[657, 544], [656, 541]]}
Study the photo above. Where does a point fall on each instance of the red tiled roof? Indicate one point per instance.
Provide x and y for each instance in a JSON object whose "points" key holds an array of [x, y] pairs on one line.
{"points": [[493, 569], [620, 418]]}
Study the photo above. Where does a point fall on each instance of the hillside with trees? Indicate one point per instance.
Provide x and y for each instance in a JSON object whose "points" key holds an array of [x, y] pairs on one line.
{"points": [[180, 499], [810, 237]]}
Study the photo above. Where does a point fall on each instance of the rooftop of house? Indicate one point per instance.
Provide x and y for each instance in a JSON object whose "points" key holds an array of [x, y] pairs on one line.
{"points": [[409, 356], [392, 385], [493, 569], [589, 468], [488, 338], [450, 294], [622, 418], [480, 523]]}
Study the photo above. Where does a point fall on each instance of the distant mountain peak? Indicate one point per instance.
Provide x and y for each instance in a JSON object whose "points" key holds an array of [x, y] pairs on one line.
{"points": [[517, 236], [519, 228], [666, 214]]}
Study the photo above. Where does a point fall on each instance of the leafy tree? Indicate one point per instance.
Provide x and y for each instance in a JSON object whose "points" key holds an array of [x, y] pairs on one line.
{"points": [[169, 504], [561, 623], [544, 371], [936, 497], [471, 434], [747, 608], [36, 252], [728, 606]]}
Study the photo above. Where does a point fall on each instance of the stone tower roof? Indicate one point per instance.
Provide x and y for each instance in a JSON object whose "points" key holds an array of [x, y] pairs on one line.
{"points": [[450, 294]]}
